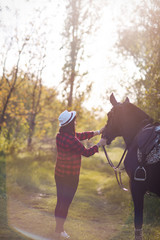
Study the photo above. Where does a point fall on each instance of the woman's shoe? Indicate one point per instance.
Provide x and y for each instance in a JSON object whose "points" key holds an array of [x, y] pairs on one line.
{"points": [[64, 235]]}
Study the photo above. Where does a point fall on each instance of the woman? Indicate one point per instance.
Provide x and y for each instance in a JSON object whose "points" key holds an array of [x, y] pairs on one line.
{"points": [[67, 170]]}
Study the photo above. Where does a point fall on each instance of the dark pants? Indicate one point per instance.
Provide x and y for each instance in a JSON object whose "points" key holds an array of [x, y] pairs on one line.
{"points": [[66, 189]]}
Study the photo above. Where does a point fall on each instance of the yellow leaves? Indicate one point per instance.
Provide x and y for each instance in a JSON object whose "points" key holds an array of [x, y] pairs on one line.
{"points": [[47, 125], [40, 133], [4, 124], [23, 119]]}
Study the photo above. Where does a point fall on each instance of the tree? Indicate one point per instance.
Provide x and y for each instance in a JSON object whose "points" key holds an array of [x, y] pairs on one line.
{"points": [[35, 90], [29, 71], [141, 41], [47, 119], [9, 82], [80, 22]]}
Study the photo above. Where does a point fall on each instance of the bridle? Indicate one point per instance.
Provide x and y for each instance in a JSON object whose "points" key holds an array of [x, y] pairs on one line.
{"points": [[116, 169]]}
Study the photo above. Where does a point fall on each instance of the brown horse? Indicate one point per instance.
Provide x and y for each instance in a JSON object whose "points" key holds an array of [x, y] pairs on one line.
{"points": [[127, 120]]}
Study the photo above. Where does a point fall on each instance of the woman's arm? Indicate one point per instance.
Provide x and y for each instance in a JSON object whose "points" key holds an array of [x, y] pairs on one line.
{"points": [[79, 148], [84, 135], [88, 135]]}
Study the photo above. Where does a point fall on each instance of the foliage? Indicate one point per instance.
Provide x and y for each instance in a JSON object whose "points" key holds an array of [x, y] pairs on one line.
{"points": [[22, 63], [141, 42], [21, 109], [26, 108]]}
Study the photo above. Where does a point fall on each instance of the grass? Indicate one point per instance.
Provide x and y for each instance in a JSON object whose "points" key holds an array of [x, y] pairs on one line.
{"points": [[6, 232], [100, 209]]}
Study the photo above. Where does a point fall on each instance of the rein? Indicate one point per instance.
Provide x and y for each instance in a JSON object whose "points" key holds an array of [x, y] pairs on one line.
{"points": [[117, 171]]}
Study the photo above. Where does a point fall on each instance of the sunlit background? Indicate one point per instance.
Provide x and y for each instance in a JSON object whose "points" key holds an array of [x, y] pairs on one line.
{"points": [[72, 54], [107, 69]]}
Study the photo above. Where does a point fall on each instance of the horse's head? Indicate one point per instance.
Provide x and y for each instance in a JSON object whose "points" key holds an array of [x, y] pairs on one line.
{"points": [[125, 119], [113, 128]]}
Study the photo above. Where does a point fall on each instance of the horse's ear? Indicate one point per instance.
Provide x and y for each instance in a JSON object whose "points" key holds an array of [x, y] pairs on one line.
{"points": [[127, 100], [113, 100]]}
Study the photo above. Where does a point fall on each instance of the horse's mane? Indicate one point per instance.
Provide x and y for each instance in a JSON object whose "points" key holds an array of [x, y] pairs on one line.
{"points": [[137, 114], [132, 119]]}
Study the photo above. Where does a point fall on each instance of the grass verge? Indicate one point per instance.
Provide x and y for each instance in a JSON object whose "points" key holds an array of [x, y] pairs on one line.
{"points": [[6, 232]]}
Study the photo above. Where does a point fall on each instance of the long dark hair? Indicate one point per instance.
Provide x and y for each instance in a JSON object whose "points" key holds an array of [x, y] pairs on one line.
{"points": [[69, 128]]}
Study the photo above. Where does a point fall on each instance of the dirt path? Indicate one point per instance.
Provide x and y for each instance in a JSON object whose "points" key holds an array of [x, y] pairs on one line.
{"points": [[39, 225], [30, 222]]}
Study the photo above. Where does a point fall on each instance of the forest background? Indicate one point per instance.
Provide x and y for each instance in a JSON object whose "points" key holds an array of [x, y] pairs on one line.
{"points": [[30, 97], [29, 109]]}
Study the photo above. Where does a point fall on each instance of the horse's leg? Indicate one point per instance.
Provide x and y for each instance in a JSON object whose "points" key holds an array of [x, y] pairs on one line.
{"points": [[137, 190]]}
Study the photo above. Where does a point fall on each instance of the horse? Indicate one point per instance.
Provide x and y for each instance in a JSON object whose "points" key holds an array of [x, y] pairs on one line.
{"points": [[127, 120]]}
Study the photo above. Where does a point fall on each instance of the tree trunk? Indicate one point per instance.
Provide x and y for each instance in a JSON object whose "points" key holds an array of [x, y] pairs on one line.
{"points": [[31, 130]]}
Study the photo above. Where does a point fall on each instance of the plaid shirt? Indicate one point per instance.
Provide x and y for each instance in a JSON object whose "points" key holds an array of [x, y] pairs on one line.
{"points": [[69, 151]]}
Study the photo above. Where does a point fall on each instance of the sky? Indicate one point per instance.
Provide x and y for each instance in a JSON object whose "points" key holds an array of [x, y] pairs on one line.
{"points": [[106, 69]]}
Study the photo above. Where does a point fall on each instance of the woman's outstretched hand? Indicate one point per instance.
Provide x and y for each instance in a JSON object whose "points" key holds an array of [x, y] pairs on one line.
{"points": [[98, 132], [102, 142]]}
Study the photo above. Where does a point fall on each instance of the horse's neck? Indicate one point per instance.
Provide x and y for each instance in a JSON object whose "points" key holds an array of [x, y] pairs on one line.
{"points": [[132, 120], [130, 131], [128, 137]]}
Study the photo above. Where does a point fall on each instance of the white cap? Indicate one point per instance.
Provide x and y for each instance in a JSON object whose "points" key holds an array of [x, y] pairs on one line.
{"points": [[66, 117]]}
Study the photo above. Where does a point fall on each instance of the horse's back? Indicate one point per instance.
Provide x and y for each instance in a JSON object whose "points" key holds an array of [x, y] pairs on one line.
{"points": [[152, 182]]}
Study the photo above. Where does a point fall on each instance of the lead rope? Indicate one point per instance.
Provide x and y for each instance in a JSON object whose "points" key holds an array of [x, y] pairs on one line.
{"points": [[117, 171], [110, 162]]}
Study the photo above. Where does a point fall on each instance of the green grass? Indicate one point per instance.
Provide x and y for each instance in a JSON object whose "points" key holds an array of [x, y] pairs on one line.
{"points": [[100, 209], [6, 232]]}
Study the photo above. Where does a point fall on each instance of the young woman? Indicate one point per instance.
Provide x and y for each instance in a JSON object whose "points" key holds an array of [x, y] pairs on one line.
{"points": [[67, 170]]}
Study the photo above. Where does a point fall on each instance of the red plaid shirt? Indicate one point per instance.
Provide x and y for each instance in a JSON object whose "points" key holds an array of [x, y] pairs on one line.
{"points": [[69, 151]]}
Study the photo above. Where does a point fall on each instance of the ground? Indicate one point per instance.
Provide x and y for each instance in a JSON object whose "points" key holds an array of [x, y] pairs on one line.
{"points": [[37, 224]]}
